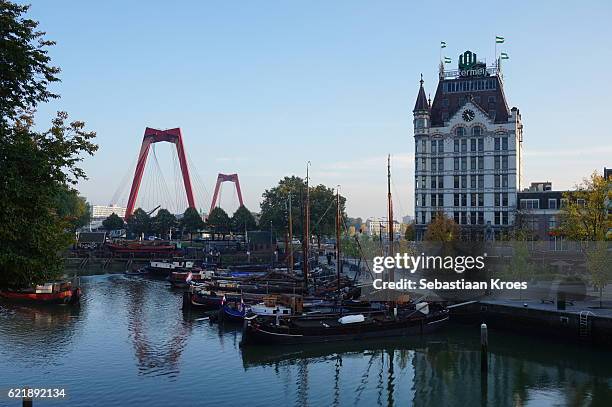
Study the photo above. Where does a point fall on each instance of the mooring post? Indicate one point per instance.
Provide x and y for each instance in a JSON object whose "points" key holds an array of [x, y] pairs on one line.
{"points": [[27, 402], [484, 348]]}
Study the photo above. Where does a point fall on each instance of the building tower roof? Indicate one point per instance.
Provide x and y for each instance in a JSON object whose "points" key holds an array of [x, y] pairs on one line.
{"points": [[421, 103]]}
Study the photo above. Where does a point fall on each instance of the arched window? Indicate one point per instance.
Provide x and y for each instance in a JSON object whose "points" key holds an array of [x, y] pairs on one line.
{"points": [[460, 131], [476, 131]]}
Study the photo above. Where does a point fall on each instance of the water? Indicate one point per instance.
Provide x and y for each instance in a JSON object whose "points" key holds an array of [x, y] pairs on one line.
{"points": [[129, 344]]}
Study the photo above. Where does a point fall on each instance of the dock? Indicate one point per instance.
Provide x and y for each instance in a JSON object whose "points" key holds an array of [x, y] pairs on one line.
{"points": [[576, 321]]}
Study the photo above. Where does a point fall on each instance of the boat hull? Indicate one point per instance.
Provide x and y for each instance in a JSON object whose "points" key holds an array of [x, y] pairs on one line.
{"points": [[255, 334], [60, 298]]}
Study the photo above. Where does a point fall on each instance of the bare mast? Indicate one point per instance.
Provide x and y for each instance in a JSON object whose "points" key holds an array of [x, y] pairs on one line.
{"points": [[338, 252], [306, 230], [390, 216]]}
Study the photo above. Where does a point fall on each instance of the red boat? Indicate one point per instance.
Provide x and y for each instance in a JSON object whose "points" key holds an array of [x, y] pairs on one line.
{"points": [[50, 293], [137, 248]]}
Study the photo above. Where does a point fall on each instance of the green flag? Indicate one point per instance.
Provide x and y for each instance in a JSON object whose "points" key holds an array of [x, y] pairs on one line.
{"points": [[503, 55], [499, 40], [442, 44], [447, 60]]}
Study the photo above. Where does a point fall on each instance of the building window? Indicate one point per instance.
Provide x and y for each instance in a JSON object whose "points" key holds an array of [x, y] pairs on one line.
{"points": [[504, 162], [504, 199], [445, 102], [476, 131], [504, 218], [423, 200], [481, 218], [505, 143], [423, 146], [456, 199], [530, 204], [434, 164], [552, 203], [497, 162], [434, 183], [440, 182], [472, 199], [481, 199], [460, 131], [481, 144], [497, 218], [491, 99], [473, 181], [456, 146], [456, 181], [473, 144], [424, 164], [481, 181], [456, 217], [563, 202], [463, 163], [423, 181], [464, 181], [497, 143], [463, 199], [504, 180], [481, 162], [552, 222], [580, 202], [497, 200], [473, 163]]}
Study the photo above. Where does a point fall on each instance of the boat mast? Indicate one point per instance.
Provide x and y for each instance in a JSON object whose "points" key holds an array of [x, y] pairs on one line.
{"points": [[390, 215], [290, 236], [306, 229], [338, 261]]}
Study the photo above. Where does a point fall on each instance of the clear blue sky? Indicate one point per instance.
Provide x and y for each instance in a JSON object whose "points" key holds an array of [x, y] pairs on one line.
{"points": [[261, 87]]}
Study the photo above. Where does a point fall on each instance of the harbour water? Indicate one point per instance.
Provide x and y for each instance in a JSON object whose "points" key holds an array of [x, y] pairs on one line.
{"points": [[129, 344]]}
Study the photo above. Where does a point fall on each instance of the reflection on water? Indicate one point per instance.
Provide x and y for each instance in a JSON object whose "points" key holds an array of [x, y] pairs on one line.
{"points": [[128, 343]]}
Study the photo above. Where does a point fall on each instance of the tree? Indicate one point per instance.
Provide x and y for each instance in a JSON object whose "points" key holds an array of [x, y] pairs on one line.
{"points": [[584, 214], [219, 221], [163, 222], [191, 222], [442, 229], [113, 222], [274, 208], [72, 208], [243, 220], [139, 222], [410, 233], [25, 71], [598, 265], [36, 168], [323, 204]]}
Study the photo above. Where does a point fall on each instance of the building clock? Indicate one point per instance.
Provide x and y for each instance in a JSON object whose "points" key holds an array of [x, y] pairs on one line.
{"points": [[468, 115]]}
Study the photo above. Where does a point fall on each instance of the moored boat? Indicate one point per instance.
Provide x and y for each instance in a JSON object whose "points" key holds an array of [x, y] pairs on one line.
{"points": [[422, 319], [63, 293]]}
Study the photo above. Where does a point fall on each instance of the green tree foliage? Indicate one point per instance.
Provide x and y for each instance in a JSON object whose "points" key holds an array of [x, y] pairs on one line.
{"points": [[139, 222], [274, 208], [243, 220], [323, 206], [442, 229], [25, 70], [410, 233], [113, 222], [72, 208], [584, 216], [163, 222], [36, 168], [191, 221], [598, 260], [218, 221]]}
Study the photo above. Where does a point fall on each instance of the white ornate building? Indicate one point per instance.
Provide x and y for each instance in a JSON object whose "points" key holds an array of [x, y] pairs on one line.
{"points": [[468, 146]]}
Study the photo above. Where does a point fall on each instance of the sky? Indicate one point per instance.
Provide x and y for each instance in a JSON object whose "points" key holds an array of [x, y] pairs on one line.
{"points": [[260, 88]]}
